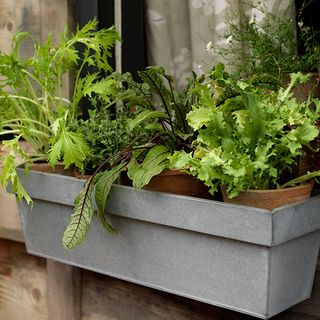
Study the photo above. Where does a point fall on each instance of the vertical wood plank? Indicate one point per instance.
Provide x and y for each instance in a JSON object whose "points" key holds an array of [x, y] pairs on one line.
{"points": [[64, 291], [55, 16], [10, 227]]}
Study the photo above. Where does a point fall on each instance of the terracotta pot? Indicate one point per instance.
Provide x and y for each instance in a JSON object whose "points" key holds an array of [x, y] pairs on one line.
{"points": [[124, 180], [302, 91], [308, 163], [270, 199], [57, 169], [81, 175], [177, 182]]}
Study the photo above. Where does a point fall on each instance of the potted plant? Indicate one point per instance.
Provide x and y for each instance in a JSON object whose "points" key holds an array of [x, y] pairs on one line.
{"points": [[33, 107], [251, 260], [250, 139], [160, 128], [269, 45]]}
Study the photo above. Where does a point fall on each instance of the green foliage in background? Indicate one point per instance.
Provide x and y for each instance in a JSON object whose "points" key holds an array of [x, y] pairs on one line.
{"points": [[266, 43]]}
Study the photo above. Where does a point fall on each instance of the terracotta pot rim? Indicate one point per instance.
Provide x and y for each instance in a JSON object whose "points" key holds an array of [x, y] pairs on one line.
{"points": [[46, 164], [80, 175], [273, 198], [301, 186], [48, 168], [171, 172]]}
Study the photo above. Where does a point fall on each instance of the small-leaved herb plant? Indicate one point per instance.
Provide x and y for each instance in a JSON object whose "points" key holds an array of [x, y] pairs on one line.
{"points": [[32, 106], [268, 43], [143, 156], [248, 137], [107, 133]]}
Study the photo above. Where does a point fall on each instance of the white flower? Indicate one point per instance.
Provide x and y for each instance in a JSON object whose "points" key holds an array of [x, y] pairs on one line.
{"points": [[229, 39], [256, 15], [300, 24], [210, 48], [209, 45]]}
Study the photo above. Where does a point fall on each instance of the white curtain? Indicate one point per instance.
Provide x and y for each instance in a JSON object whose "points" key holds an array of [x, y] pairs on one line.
{"points": [[178, 31]]}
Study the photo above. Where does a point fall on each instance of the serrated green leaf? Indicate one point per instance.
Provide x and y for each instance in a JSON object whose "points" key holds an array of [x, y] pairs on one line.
{"points": [[180, 159], [70, 147], [55, 127], [8, 170], [199, 117]]}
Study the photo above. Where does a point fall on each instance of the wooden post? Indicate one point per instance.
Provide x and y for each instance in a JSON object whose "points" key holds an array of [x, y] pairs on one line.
{"points": [[118, 25], [64, 291]]}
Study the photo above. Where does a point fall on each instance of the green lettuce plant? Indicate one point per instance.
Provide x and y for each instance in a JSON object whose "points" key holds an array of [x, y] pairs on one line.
{"points": [[32, 105], [248, 136]]}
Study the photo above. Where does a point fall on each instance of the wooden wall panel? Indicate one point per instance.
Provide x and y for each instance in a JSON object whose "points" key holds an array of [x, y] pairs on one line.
{"points": [[10, 227], [23, 285], [17, 15], [64, 291], [28, 290], [106, 298], [55, 16]]}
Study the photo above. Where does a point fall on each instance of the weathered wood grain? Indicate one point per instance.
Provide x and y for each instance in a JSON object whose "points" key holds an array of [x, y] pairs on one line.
{"points": [[17, 15], [64, 291], [106, 298], [23, 284], [55, 17], [10, 227]]}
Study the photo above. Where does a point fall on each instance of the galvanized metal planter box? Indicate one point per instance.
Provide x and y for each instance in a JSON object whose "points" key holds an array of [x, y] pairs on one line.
{"points": [[250, 260]]}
